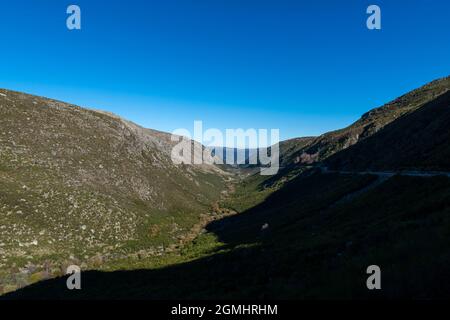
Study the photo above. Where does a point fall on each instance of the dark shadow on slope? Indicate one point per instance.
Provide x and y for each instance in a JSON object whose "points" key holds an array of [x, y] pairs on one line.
{"points": [[309, 252], [307, 194], [184, 281], [303, 248], [418, 140], [244, 272]]}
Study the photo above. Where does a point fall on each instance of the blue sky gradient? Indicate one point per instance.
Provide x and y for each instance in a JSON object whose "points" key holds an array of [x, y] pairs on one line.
{"points": [[305, 67]]}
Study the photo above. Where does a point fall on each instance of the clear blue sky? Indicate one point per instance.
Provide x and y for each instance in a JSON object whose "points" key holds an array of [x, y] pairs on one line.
{"points": [[304, 67]]}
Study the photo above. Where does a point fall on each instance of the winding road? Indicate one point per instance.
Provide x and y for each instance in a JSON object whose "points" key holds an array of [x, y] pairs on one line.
{"points": [[388, 174]]}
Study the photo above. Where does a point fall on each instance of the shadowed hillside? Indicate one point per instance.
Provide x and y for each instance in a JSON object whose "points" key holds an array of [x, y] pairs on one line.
{"points": [[370, 123], [417, 141], [297, 155], [310, 249], [309, 233]]}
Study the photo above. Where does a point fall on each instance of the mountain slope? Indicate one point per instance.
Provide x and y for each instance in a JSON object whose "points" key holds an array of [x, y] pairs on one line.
{"points": [[417, 141], [78, 185], [310, 234], [370, 123], [310, 249]]}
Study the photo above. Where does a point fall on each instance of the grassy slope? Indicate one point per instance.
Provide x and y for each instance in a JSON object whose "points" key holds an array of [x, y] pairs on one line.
{"points": [[371, 122], [79, 186], [416, 141], [312, 249], [299, 154]]}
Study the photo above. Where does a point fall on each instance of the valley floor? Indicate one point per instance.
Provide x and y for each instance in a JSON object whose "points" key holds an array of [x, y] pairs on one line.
{"points": [[301, 241]]}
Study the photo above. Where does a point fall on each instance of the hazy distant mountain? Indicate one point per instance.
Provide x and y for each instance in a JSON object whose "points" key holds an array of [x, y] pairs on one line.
{"points": [[288, 150], [235, 156]]}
